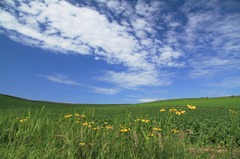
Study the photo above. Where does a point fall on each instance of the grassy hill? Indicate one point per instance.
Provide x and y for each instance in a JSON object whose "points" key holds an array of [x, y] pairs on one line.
{"points": [[217, 102], [11, 102]]}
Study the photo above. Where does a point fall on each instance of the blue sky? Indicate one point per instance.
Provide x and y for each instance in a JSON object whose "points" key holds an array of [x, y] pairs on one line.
{"points": [[103, 51]]}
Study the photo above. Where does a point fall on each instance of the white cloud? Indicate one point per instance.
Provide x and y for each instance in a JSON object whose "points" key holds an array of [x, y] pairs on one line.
{"points": [[84, 30], [145, 9], [110, 91], [174, 24], [136, 79], [146, 100], [59, 78]]}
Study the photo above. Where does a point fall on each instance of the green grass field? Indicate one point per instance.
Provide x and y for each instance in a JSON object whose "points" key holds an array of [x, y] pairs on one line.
{"points": [[162, 129]]}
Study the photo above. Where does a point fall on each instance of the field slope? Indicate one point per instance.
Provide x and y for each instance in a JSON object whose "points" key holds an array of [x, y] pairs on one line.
{"points": [[7, 101]]}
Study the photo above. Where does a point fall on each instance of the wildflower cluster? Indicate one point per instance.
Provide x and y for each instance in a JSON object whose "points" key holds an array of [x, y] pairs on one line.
{"points": [[76, 115], [142, 120], [177, 112], [82, 120], [104, 126]]}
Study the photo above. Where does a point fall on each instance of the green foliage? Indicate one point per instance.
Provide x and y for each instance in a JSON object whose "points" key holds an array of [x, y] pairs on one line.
{"points": [[30, 129]]}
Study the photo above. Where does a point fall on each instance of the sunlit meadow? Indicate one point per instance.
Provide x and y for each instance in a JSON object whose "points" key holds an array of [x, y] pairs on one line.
{"points": [[130, 131]]}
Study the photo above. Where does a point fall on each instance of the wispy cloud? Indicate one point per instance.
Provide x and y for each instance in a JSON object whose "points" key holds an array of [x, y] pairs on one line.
{"points": [[208, 66], [110, 91], [133, 79], [227, 82], [145, 100], [63, 79], [212, 37], [59, 78]]}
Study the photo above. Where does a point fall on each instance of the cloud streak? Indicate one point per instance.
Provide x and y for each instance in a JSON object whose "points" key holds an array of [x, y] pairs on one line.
{"points": [[146, 100], [227, 82], [59, 78], [110, 91]]}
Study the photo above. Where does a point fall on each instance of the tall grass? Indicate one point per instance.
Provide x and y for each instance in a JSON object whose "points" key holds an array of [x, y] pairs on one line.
{"points": [[120, 133]]}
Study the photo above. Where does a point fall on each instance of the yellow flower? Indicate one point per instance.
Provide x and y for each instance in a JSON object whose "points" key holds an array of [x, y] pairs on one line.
{"points": [[145, 120], [109, 127], [81, 144], [124, 130], [83, 116], [157, 129], [172, 110], [96, 128], [68, 116], [175, 131], [85, 123], [23, 120], [137, 120], [105, 123], [191, 106], [179, 112], [76, 114], [162, 110], [150, 135]]}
